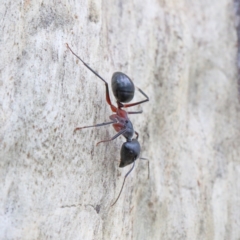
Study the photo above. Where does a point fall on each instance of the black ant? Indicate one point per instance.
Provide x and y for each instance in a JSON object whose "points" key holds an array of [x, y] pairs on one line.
{"points": [[123, 90]]}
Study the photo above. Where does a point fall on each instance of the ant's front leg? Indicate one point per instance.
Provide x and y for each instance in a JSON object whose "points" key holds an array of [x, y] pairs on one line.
{"points": [[114, 137]]}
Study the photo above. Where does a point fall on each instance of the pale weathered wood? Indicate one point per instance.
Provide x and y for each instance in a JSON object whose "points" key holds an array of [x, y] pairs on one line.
{"points": [[56, 184]]}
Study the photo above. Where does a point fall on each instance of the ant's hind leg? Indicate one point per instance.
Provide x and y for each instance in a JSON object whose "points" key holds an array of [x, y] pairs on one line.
{"points": [[114, 109], [137, 103], [135, 112]]}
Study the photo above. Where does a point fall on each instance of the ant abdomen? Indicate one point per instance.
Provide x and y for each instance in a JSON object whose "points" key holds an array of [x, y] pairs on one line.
{"points": [[122, 87]]}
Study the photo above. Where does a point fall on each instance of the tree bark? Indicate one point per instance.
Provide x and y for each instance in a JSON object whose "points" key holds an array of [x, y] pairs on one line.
{"points": [[56, 184]]}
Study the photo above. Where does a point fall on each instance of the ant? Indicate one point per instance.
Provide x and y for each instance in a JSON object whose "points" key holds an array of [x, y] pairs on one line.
{"points": [[123, 90]]}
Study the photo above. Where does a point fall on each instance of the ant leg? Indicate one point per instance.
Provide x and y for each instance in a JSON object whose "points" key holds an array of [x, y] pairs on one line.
{"points": [[124, 183], [137, 112], [114, 109], [137, 103], [114, 137], [96, 125]]}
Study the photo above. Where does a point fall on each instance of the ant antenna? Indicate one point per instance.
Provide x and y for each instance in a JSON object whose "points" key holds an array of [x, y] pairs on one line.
{"points": [[124, 183], [148, 165]]}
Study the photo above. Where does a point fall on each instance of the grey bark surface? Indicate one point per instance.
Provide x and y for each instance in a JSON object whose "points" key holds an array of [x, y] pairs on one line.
{"points": [[56, 184]]}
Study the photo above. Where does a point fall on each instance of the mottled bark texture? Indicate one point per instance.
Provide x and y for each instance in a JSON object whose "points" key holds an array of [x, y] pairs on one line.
{"points": [[58, 185]]}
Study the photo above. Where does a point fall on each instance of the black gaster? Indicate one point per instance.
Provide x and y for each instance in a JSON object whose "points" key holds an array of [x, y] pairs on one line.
{"points": [[130, 151], [122, 87]]}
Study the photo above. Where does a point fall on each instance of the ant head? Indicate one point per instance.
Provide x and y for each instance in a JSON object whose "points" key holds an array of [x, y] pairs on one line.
{"points": [[122, 87], [130, 151]]}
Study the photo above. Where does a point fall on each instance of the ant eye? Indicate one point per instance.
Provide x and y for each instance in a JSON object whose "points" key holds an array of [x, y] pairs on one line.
{"points": [[126, 121]]}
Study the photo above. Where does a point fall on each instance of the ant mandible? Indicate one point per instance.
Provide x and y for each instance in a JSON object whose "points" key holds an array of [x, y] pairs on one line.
{"points": [[123, 90]]}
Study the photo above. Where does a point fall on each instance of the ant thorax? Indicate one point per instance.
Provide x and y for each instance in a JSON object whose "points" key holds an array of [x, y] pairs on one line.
{"points": [[123, 124]]}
